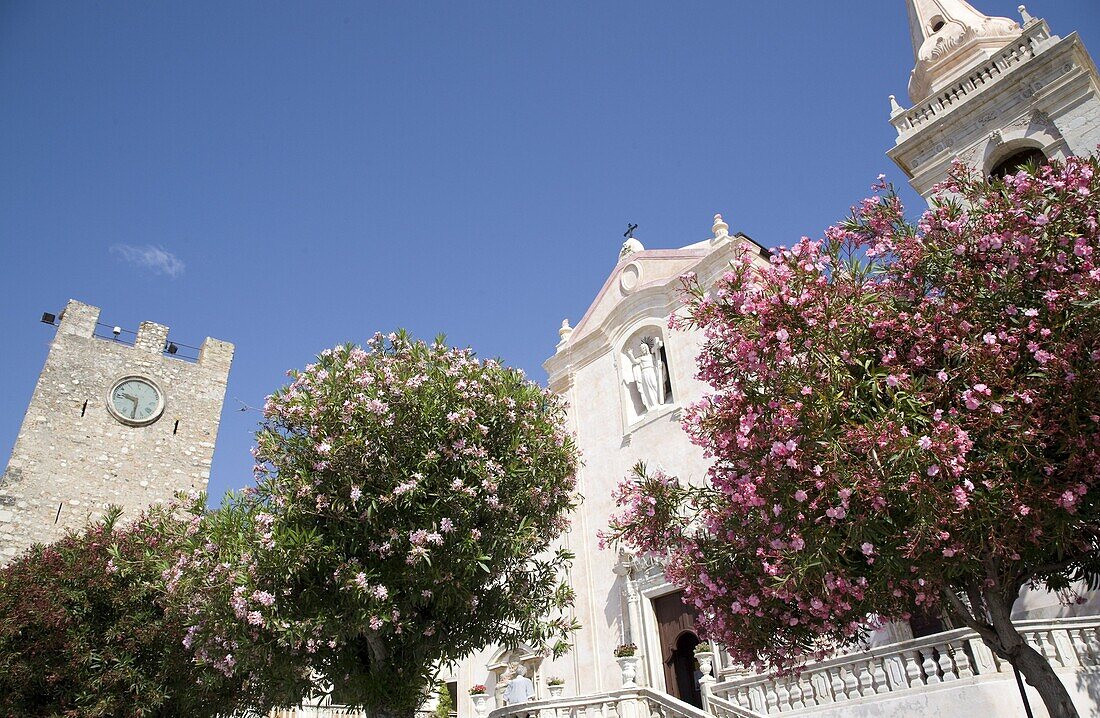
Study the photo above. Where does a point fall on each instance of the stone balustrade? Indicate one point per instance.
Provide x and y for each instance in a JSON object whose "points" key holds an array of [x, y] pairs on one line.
{"points": [[1035, 38], [722, 708], [627, 703], [1071, 644], [322, 711]]}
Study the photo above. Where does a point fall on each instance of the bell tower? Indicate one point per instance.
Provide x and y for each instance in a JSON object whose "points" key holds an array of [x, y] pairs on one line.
{"points": [[991, 92]]}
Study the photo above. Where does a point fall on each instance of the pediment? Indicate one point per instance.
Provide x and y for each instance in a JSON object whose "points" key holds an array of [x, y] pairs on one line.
{"points": [[637, 275], [504, 656]]}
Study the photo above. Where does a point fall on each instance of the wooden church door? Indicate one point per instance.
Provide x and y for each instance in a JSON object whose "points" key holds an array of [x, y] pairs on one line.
{"points": [[676, 629]]}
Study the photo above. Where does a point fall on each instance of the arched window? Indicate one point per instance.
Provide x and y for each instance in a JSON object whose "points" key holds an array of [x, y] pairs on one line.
{"points": [[1016, 161]]}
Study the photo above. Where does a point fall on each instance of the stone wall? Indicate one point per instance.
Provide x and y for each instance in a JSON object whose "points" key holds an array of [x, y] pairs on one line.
{"points": [[73, 458]]}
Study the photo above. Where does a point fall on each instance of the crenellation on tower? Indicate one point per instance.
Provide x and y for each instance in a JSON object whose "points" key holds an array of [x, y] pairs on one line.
{"points": [[151, 337], [216, 353], [79, 319], [109, 423]]}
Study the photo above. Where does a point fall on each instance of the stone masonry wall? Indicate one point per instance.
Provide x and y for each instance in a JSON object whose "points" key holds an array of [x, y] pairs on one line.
{"points": [[72, 458]]}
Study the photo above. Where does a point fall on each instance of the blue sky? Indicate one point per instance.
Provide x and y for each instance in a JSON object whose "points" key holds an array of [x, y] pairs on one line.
{"points": [[291, 176]]}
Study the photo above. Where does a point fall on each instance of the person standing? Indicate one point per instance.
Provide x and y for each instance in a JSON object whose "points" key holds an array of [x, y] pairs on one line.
{"points": [[520, 689]]}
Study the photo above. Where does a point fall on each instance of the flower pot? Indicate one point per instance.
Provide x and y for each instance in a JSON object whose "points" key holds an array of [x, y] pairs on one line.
{"points": [[706, 663], [481, 704], [556, 690], [629, 667]]}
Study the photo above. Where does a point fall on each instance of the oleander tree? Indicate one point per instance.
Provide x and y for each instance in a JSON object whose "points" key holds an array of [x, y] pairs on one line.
{"points": [[408, 500], [901, 417], [78, 637]]}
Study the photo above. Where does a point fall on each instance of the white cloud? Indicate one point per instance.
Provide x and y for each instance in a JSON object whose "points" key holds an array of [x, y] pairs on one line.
{"points": [[156, 259]]}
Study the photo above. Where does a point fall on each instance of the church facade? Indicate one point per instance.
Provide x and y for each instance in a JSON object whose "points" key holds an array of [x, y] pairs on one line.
{"points": [[992, 92]]}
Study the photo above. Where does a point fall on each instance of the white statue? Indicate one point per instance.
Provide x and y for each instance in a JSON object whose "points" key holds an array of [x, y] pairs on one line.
{"points": [[649, 372]]}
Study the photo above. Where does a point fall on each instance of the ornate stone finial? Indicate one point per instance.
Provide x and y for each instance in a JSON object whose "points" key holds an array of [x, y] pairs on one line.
{"points": [[630, 246], [565, 332], [895, 108], [949, 36], [720, 229], [1025, 15]]}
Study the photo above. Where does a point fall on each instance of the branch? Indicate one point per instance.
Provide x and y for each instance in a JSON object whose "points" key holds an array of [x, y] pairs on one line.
{"points": [[959, 609], [377, 647], [1045, 570]]}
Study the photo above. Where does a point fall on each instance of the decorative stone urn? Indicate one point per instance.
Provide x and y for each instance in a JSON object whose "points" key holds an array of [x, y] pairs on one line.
{"points": [[629, 667], [481, 704], [705, 657], [556, 689]]}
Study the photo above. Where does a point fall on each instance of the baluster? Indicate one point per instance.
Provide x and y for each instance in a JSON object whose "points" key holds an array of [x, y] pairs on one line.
{"points": [[866, 684], [771, 698], [1080, 647], [1092, 643], [878, 673], [784, 694], [1031, 638], [836, 684], [962, 660], [912, 661], [1048, 650], [851, 685], [945, 664], [929, 668], [796, 693]]}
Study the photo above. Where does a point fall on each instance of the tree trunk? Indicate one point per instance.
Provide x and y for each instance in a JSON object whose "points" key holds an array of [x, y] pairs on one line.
{"points": [[1041, 676], [1007, 643]]}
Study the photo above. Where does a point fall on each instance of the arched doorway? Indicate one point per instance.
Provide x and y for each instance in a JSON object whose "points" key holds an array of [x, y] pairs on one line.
{"points": [[676, 629], [685, 674]]}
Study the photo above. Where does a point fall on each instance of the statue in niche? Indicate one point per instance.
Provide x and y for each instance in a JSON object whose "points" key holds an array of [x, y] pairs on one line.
{"points": [[650, 373]]}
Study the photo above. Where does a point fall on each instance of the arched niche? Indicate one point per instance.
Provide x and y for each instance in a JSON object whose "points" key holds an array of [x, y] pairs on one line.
{"points": [[645, 373]]}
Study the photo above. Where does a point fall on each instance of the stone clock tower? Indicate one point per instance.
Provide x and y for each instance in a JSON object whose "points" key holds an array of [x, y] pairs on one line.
{"points": [[109, 423]]}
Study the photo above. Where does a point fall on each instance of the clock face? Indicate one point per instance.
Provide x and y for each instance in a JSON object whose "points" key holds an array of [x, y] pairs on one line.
{"points": [[136, 401]]}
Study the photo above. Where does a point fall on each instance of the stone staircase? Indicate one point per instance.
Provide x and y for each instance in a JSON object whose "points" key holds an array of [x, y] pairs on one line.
{"points": [[949, 674], [636, 702]]}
